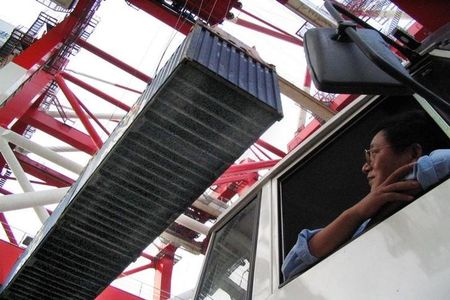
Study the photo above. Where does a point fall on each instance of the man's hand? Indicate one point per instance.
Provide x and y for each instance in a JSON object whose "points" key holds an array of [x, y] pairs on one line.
{"points": [[393, 189]]}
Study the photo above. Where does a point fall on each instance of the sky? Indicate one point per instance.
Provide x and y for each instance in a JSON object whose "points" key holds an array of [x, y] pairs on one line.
{"points": [[143, 42]]}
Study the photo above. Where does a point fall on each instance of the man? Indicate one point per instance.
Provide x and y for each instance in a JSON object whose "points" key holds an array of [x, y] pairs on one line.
{"points": [[397, 171]]}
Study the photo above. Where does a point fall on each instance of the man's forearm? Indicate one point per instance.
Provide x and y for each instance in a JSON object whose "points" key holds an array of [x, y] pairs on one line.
{"points": [[335, 234]]}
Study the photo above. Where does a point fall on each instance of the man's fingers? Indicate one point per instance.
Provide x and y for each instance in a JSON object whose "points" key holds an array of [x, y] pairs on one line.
{"points": [[399, 174], [403, 186], [392, 197]]}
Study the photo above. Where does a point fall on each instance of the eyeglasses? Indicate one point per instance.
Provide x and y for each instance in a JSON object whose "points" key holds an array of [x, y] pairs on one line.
{"points": [[370, 153]]}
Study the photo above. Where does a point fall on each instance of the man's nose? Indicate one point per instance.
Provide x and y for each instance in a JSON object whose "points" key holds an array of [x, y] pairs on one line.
{"points": [[365, 168]]}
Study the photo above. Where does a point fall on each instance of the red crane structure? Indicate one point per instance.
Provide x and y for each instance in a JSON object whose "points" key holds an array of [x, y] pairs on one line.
{"points": [[33, 76]]}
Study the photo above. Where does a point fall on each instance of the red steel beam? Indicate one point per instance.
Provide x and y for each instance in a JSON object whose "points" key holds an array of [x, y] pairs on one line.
{"points": [[10, 254], [93, 117], [163, 14], [256, 154], [338, 104], [304, 133], [138, 269], [432, 13], [61, 131], [418, 31], [111, 59], [342, 101], [260, 149], [163, 274], [20, 102], [250, 167], [5, 224], [38, 52], [14, 178], [231, 178], [271, 148], [95, 91], [78, 110], [42, 172], [114, 293], [307, 80], [148, 256], [265, 30], [287, 36], [19, 127], [227, 190]]}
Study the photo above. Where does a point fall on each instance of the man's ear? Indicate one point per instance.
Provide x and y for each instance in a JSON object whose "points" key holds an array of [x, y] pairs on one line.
{"points": [[416, 151]]}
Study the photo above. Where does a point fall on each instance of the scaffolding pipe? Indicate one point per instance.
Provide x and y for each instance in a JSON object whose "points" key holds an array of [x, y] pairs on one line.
{"points": [[104, 81], [37, 149], [95, 91], [103, 116], [32, 199], [63, 149], [22, 178]]}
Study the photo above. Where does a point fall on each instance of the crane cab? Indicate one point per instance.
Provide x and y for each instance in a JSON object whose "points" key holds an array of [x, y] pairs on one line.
{"points": [[404, 255]]}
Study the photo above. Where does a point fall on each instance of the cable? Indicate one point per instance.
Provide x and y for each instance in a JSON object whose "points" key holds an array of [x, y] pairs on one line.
{"points": [[174, 32], [210, 13]]}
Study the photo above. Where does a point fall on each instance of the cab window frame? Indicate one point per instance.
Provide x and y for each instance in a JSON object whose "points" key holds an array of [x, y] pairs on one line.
{"points": [[253, 200], [287, 240]]}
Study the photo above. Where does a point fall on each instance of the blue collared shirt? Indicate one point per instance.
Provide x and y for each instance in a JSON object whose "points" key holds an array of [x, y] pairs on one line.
{"points": [[428, 171]]}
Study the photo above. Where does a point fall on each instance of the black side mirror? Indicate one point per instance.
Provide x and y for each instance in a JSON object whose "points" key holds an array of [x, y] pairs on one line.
{"points": [[338, 65], [358, 61]]}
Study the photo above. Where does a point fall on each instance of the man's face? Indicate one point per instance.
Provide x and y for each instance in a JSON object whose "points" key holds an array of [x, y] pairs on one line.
{"points": [[383, 160]]}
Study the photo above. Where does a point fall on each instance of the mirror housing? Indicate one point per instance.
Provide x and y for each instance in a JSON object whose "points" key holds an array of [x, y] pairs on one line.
{"points": [[338, 65]]}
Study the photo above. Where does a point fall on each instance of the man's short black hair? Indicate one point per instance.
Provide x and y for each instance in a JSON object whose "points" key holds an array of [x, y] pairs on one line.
{"points": [[404, 129]]}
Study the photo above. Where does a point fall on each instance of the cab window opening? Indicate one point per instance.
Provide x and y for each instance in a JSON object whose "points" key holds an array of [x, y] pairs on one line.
{"points": [[317, 190], [228, 269]]}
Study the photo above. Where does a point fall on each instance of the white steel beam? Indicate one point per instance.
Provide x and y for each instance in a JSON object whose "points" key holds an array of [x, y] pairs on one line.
{"points": [[37, 149], [206, 208], [102, 116], [192, 224], [305, 100], [12, 76], [210, 205], [22, 178], [63, 149], [31, 199], [310, 13], [177, 242]]}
